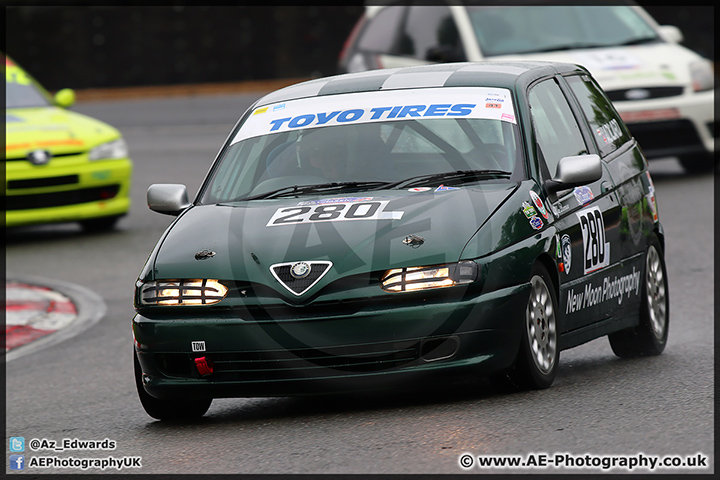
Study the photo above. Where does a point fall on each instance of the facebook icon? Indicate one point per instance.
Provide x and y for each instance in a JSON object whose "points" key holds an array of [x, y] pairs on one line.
{"points": [[17, 462]]}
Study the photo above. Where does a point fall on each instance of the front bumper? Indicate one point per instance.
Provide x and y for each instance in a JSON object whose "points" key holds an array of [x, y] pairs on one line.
{"points": [[672, 126], [64, 191], [368, 349]]}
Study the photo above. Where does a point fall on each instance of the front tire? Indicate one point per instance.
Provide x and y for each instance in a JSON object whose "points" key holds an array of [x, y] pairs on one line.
{"points": [[650, 336], [536, 364], [168, 409]]}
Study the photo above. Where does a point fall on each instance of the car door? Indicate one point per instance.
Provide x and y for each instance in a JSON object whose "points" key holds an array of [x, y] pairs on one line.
{"points": [[587, 218], [633, 187]]}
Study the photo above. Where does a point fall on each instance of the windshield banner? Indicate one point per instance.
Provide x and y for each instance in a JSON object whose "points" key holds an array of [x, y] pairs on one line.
{"points": [[389, 105]]}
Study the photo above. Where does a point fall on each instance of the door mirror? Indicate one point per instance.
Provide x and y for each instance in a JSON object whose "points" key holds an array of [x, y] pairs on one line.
{"points": [[671, 33], [167, 198], [65, 98], [575, 171]]}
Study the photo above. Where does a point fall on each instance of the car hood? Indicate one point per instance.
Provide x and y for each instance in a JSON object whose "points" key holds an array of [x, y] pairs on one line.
{"points": [[245, 247], [661, 64], [54, 129]]}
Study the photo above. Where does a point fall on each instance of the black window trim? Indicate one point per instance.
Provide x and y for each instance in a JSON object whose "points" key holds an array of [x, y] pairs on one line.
{"points": [[588, 132], [543, 170]]}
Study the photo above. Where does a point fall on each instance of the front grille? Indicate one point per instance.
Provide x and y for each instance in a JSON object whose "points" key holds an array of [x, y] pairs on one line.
{"points": [[55, 155], [652, 92], [60, 199], [299, 285], [311, 362], [43, 182]]}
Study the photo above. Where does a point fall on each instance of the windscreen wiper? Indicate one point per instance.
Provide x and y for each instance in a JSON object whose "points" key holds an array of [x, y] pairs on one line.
{"points": [[295, 190], [581, 45], [458, 176], [639, 41]]}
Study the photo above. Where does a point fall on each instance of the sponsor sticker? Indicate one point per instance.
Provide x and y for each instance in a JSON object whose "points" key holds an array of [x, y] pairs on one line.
{"points": [[609, 132], [537, 201], [528, 210], [443, 188], [610, 59], [326, 201], [606, 289], [583, 195], [419, 189], [380, 106], [336, 212], [536, 223], [566, 247], [596, 251], [651, 198]]}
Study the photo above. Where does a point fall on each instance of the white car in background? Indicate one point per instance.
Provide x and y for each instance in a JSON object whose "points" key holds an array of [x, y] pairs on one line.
{"points": [[662, 90]]}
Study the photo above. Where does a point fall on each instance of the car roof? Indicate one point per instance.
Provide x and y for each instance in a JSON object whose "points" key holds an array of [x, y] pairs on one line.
{"points": [[463, 74]]}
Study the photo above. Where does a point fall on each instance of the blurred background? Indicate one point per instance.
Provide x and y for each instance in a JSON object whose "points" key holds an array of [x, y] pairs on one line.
{"points": [[84, 47]]}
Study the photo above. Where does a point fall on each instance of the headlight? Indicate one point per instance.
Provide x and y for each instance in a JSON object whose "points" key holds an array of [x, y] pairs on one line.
{"points": [[411, 279], [115, 149], [182, 292], [702, 75]]}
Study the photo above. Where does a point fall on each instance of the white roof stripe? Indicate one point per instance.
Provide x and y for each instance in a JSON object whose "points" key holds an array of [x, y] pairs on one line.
{"points": [[416, 80]]}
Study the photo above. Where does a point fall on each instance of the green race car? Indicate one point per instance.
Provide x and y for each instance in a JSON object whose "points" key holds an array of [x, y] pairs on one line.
{"points": [[60, 166], [370, 229]]}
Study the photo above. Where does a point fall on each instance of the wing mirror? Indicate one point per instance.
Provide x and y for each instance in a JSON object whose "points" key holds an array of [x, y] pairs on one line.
{"points": [[575, 171], [671, 33], [167, 198], [65, 98]]}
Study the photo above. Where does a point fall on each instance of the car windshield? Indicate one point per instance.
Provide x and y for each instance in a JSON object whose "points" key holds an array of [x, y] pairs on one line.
{"points": [[509, 30], [354, 155], [20, 92]]}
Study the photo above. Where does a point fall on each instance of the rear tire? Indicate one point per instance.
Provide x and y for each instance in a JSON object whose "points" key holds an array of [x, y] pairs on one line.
{"points": [[536, 364], [650, 336], [168, 409]]}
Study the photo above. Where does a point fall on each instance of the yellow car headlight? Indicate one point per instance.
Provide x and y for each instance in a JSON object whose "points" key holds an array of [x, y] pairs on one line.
{"points": [[182, 292], [411, 279], [110, 150]]}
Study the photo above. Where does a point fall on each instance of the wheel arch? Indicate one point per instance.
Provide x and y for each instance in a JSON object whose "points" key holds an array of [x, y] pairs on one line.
{"points": [[658, 230], [546, 260]]}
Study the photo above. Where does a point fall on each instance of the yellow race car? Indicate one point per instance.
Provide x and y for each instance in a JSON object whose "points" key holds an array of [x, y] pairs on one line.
{"points": [[60, 166]]}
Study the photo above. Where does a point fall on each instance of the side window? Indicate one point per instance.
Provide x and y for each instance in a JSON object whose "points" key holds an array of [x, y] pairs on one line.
{"points": [[556, 130], [608, 129], [379, 36], [429, 30]]}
